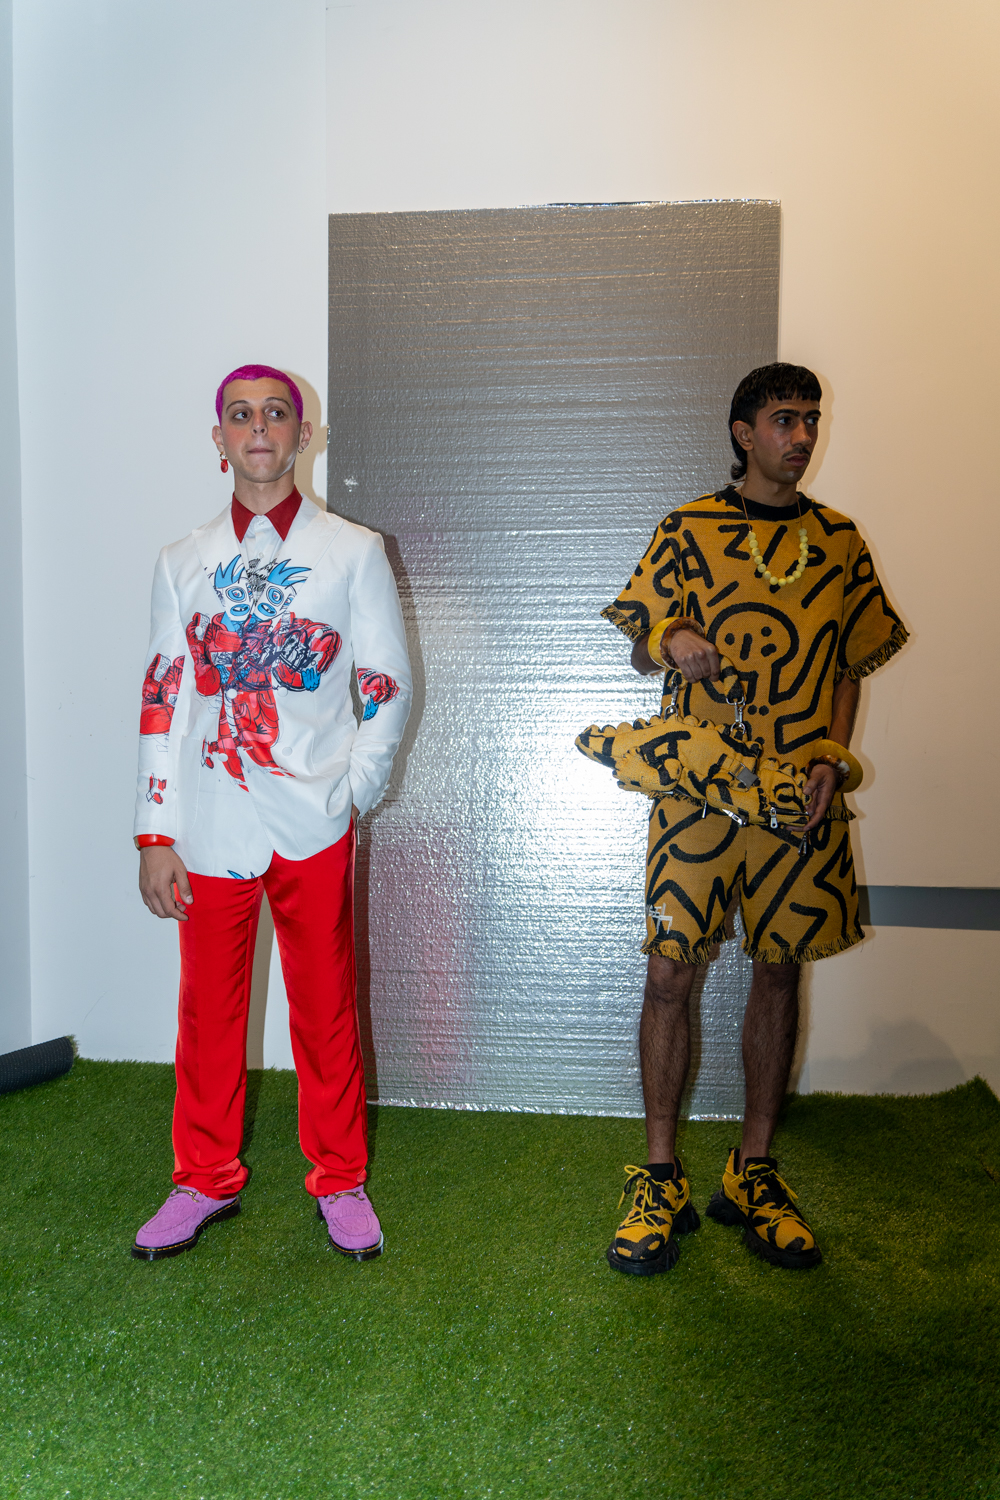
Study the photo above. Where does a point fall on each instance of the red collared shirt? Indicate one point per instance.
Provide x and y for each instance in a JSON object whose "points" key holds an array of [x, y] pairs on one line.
{"points": [[281, 517]]}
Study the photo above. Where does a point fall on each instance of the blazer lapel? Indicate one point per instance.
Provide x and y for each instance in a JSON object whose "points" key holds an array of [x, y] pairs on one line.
{"points": [[215, 543], [312, 532]]}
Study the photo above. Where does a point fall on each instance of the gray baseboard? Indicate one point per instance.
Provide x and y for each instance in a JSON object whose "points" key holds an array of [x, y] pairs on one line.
{"points": [[968, 908]]}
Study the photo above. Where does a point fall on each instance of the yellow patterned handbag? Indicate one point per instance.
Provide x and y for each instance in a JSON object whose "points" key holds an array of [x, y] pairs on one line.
{"points": [[716, 765]]}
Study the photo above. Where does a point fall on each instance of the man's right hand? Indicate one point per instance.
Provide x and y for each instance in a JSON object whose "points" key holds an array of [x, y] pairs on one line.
{"points": [[160, 870], [696, 657]]}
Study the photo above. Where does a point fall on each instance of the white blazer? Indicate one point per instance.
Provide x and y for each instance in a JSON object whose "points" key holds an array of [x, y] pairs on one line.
{"points": [[248, 742]]}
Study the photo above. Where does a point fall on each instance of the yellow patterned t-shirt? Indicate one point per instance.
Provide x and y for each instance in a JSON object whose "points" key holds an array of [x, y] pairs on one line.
{"points": [[792, 644]]}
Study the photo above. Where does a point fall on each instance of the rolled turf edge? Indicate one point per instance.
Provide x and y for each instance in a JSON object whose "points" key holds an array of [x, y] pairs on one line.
{"points": [[37, 1064]]}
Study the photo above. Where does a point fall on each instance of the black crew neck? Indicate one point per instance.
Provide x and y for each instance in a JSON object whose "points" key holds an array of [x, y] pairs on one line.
{"points": [[758, 512]]}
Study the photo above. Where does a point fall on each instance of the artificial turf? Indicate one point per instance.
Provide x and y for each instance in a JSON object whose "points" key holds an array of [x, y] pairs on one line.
{"points": [[491, 1351]]}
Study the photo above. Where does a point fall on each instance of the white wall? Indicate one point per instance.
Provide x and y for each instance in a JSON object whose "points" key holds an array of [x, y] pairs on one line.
{"points": [[170, 213], [15, 972], [876, 126]]}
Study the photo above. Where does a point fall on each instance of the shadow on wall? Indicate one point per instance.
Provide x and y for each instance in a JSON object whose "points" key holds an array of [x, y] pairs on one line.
{"points": [[315, 454], [258, 988], [363, 960], [369, 827], [415, 651], [362, 873], [905, 1058]]}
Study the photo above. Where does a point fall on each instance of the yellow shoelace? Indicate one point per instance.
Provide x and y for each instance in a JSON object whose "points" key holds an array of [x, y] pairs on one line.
{"points": [[755, 1174], [643, 1209]]}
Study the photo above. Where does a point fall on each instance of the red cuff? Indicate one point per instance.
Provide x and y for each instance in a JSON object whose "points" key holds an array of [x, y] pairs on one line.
{"points": [[146, 840]]}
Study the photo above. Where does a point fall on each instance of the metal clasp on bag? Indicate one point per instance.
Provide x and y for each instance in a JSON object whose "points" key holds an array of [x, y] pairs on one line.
{"points": [[741, 728], [677, 679]]}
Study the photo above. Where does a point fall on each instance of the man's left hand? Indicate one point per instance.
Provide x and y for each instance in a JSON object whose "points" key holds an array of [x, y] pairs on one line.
{"points": [[819, 790]]}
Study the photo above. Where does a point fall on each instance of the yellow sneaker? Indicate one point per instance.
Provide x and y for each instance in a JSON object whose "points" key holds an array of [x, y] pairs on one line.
{"points": [[763, 1203], [646, 1239]]}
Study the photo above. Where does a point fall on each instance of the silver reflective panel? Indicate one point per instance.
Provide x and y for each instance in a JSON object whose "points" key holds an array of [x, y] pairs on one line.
{"points": [[517, 397]]}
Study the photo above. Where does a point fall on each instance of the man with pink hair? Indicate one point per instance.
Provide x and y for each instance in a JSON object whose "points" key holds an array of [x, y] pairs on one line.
{"points": [[252, 774]]}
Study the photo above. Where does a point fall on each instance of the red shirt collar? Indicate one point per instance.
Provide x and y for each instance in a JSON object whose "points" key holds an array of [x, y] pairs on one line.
{"points": [[281, 517]]}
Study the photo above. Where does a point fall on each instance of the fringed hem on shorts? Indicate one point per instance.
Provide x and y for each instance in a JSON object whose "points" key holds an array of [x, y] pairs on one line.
{"points": [[626, 625], [682, 953], [809, 955], [875, 659]]}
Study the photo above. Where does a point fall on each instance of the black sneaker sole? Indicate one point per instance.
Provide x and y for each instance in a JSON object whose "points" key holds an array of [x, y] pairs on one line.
{"points": [[371, 1253], [163, 1252], [686, 1222], [724, 1211]]}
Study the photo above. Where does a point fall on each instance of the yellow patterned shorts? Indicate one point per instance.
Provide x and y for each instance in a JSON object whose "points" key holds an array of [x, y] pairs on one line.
{"points": [[795, 907]]}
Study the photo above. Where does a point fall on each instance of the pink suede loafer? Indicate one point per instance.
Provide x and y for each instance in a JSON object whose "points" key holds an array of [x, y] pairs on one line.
{"points": [[176, 1226], [352, 1223]]}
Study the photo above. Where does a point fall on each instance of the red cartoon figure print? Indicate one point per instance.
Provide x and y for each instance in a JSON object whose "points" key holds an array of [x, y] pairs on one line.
{"points": [[255, 645], [159, 694], [375, 688]]}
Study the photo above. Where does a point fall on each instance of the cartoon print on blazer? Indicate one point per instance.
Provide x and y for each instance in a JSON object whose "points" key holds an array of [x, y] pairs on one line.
{"points": [[256, 644], [159, 694], [375, 688]]}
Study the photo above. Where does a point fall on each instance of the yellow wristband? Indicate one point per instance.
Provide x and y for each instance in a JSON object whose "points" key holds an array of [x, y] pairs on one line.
{"points": [[653, 644], [669, 628], [855, 774]]}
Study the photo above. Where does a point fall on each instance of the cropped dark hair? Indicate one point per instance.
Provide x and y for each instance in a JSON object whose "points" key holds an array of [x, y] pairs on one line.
{"points": [[777, 382]]}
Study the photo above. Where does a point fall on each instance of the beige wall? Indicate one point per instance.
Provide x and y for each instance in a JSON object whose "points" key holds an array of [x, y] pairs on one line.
{"points": [[910, 1011], [876, 128]]}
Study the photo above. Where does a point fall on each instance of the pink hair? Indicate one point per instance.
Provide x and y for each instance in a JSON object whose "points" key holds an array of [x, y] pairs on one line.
{"points": [[259, 372]]}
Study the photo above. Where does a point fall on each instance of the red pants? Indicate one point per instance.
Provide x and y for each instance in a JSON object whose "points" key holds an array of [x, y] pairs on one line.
{"points": [[312, 903]]}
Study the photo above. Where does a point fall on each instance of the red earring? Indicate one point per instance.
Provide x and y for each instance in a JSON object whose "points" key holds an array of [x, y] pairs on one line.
{"points": [[224, 465]]}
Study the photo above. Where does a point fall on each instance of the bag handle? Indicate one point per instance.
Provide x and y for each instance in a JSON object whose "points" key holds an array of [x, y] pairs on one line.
{"points": [[730, 679]]}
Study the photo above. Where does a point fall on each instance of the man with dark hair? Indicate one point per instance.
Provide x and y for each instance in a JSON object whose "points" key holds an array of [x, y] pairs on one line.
{"points": [[785, 588], [252, 774], [778, 382]]}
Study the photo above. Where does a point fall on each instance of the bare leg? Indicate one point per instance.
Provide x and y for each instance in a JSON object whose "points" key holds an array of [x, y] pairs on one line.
{"points": [[770, 1026], [664, 1050]]}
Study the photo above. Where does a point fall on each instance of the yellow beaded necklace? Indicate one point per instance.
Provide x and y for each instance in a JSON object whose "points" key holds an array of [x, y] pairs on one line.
{"points": [[761, 565]]}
